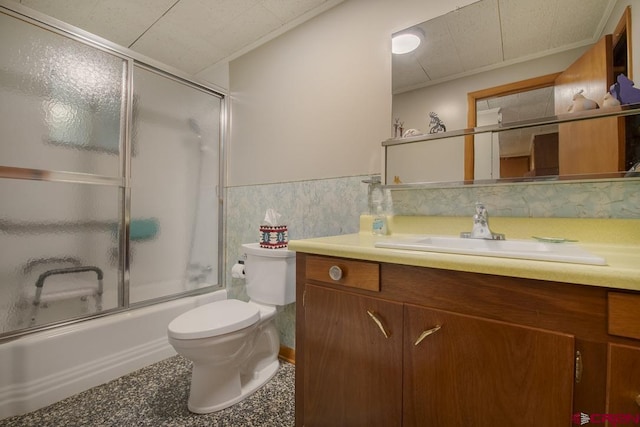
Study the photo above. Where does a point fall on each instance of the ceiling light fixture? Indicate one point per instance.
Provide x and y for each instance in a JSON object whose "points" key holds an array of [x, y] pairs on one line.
{"points": [[404, 43]]}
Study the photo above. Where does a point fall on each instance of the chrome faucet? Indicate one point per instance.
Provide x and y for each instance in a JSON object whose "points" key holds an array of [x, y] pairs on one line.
{"points": [[481, 228]]}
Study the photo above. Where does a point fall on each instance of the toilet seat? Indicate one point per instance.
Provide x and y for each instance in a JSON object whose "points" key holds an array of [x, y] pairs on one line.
{"points": [[214, 319]]}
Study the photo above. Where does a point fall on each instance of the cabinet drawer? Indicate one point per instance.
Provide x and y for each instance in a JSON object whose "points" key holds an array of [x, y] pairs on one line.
{"points": [[624, 316], [345, 272]]}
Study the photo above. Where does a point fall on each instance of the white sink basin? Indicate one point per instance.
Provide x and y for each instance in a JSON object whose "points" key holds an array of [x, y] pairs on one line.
{"points": [[521, 249]]}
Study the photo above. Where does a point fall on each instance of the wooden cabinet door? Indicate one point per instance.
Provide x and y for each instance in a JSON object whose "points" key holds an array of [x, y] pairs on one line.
{"points": [[623, 394], [479, 372], [352, 371], [590, 146]]}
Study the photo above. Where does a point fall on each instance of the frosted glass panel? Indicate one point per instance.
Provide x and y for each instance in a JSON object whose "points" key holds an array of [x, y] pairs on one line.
{"points": [[174, 172], [71, 94], [64, 237]]}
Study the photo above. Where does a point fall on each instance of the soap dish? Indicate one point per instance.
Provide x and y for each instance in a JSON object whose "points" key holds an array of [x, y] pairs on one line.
{"points": [[553, 239]]}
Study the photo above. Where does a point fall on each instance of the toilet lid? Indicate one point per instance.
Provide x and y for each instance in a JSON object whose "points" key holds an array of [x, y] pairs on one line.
{"points": [[213, 319]]}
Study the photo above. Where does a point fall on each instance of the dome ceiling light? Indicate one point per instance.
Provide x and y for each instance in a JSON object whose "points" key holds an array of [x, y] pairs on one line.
{"points": [[405, 42]]}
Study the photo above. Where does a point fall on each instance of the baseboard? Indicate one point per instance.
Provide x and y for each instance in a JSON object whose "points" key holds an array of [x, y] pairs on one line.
{"points": [[287, 354], [34, 394]]}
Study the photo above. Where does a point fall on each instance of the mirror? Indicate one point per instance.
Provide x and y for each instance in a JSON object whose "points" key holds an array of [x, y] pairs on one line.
{"points": [[467, 56]]}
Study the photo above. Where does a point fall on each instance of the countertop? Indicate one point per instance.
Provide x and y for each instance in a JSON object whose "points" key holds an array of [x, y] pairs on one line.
{"points": [[617, 240]]}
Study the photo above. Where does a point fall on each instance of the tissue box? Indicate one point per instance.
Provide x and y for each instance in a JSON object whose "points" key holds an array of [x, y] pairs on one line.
{"points": [[274, 236]]}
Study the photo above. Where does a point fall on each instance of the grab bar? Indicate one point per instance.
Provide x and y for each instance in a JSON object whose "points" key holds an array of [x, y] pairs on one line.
{"points": [[69, 270], [51, 260], [28, 227]]}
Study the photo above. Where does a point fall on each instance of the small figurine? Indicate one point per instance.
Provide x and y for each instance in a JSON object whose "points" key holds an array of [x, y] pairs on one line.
{"points": [[580, 103], [624, 91], [411, 132], [436, 124], [609, 101]]}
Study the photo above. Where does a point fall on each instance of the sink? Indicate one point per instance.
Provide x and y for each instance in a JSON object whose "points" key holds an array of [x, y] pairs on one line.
{"points": [[521, 249]]}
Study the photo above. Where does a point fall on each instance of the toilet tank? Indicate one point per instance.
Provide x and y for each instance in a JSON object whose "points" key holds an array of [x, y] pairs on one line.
{"points": [[270, 274]]}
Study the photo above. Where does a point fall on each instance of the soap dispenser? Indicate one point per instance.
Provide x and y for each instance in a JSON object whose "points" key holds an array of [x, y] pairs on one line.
{"points": [[376, 205], [379, 225]]}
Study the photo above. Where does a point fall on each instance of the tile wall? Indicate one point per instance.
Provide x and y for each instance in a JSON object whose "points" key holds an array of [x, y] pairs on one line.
{"points": [[332, 206]]}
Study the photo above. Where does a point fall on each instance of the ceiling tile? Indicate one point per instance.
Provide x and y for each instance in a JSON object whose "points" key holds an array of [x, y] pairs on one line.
{"points": [[578, 21], [526, 26], [438, 54], [410, 72], [120, 21], [286, 10], [178, 47], [247, 28], [476, 31], [188, 34]]}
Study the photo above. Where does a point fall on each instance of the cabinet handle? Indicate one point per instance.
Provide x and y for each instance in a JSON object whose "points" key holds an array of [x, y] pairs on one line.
{"points": [[378, 322], [638, 400], [335, 272], [426, 333], [579, 367]]}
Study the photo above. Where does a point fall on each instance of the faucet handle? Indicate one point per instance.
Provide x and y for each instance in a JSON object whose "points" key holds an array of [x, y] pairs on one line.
{"points": [[481, 209]]}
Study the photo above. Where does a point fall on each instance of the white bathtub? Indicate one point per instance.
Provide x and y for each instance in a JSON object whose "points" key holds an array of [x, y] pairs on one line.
{"points": [[45, 367]]}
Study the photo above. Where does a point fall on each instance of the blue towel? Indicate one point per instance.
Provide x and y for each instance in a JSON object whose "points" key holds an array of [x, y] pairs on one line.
{"points": [[143, 229], [139, 229]]}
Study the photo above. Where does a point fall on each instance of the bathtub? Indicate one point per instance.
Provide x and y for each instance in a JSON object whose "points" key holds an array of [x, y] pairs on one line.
{"points": [[42, 368]]}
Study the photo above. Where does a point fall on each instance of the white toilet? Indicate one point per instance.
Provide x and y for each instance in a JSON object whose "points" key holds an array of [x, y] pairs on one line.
{"points": [[233, 344]]}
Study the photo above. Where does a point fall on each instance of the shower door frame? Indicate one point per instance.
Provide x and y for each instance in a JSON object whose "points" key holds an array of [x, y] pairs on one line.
{"points": [[123, 181]]}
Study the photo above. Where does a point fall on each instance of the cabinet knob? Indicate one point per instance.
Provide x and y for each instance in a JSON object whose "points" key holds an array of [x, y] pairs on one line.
{"points": [[335, 272]]}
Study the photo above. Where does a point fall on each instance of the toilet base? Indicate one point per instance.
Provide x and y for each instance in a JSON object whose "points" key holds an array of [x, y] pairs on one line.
{"points": [[203, 401]]}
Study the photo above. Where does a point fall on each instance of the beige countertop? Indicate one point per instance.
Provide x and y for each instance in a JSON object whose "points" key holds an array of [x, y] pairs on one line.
{"points": [[616, 240]]}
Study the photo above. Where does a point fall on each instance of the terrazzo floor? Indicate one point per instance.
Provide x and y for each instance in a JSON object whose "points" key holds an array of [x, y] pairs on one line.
{"points": [[157, 396]]}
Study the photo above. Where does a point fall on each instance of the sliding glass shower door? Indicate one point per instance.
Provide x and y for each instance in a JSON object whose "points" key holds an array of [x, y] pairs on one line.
{"points": [[109, 172], [174, 166]]}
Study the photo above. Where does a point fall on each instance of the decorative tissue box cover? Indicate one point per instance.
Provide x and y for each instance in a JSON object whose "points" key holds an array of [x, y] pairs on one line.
{"points": [[273, 236]]}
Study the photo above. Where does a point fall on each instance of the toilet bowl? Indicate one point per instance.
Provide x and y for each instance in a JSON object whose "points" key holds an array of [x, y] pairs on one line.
{"points": [[234, 344]]}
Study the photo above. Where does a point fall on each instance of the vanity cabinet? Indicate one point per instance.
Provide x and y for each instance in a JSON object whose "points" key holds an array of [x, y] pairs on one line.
{"points": [[354, 366], [624, 380], [475, 371], [381, 344], [623, 386]]}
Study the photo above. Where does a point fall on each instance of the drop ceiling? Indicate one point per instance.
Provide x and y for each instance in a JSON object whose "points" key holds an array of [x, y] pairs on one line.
{"points": [[190, 35]]}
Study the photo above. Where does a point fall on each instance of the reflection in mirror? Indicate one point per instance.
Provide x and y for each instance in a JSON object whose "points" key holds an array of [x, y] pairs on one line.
{"points": [[493, 43]]}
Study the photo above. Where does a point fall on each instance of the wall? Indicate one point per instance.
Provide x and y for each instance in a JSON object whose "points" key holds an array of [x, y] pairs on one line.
{"points": [[315, 102], [311, 208], [309, 111]]}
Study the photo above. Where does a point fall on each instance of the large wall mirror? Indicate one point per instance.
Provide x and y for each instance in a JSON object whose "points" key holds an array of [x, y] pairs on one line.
{"points": [[488, 95]]}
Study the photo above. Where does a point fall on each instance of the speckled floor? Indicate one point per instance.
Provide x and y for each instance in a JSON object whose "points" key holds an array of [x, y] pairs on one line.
{"points": [[157, 396]]}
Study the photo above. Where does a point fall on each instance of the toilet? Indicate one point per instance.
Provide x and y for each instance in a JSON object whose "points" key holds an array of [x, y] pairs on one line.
{"points": [[234, 344]]}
